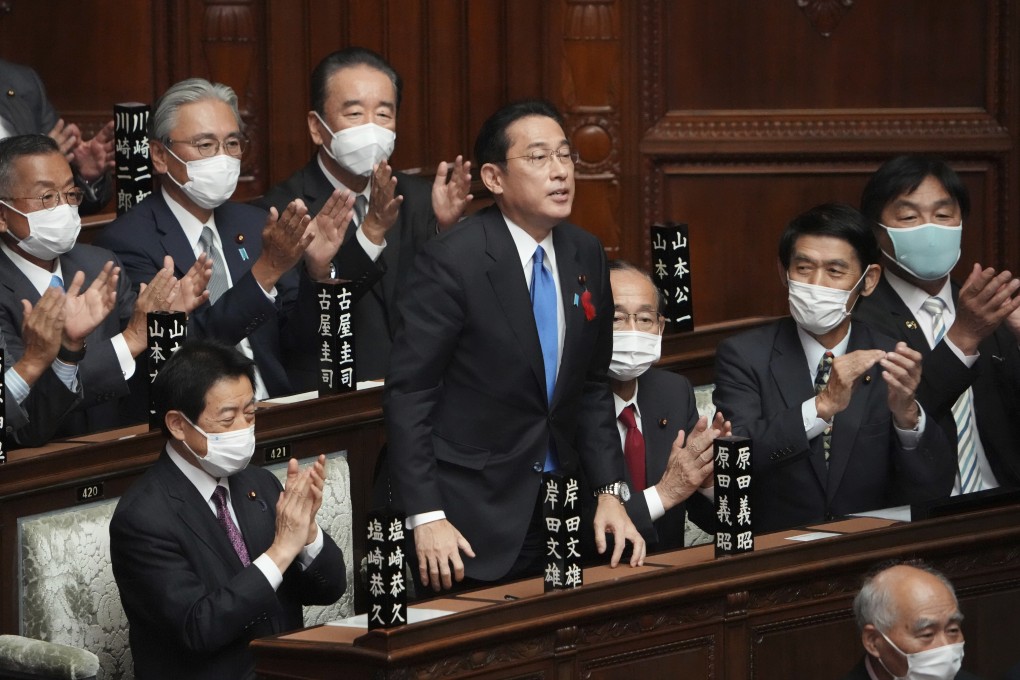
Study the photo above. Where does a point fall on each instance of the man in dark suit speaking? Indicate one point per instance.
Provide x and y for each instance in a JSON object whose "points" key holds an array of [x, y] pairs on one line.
{"points": [[209, 553], [829, 406], [499, 370]]}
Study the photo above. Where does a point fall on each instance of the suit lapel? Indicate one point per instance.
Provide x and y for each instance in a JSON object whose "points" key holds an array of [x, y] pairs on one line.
{"points": [[171, 235], [790, 374], [900, 317], [657, 439], [848, 421], [252, 512], [18, 285], [570, 269], [232, 251], [511, 290]]}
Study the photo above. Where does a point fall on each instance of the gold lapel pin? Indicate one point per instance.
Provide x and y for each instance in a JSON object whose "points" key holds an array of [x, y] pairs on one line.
{"points": [[912, 325], [663, 422]]}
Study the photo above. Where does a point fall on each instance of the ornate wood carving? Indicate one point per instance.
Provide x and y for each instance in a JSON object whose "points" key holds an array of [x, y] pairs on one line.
{"points": [[825, 15], [707, 643], [488, 659], [638, 626]]}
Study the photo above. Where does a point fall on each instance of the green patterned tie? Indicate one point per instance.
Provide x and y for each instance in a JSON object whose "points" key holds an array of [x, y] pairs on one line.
{"points": [[821, 380]]}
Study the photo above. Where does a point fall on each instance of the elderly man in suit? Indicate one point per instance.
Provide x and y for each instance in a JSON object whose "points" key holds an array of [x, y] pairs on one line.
{"points": [[26, 110], [209, 553], [911, 625], [489, 383], [829, 406], [104, 327], [259, 299], [667, 446], [969, 335], [355, 98]]}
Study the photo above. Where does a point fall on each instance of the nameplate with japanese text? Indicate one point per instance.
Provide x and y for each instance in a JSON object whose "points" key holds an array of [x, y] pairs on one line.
{"points": [[734, 534], [131, 154], [166, 332], [671, 271], [561, 513], [384, 556], [336, 337]]}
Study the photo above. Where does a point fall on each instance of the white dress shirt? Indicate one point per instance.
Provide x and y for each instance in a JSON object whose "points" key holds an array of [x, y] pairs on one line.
{"points": [[372, 250]]}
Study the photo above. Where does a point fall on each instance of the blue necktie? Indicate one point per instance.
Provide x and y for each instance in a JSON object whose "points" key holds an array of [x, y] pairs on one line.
{"points": [[543, 304], [56, 282]]}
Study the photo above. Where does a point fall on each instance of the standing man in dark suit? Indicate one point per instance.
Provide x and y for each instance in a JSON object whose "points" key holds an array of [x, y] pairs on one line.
{"points": [[667, 446], [968, 335], [25, 110], [490, 384], [104, 327], [829, 406], [353, 123], [209, 553], [910, 625], [254, 298]]}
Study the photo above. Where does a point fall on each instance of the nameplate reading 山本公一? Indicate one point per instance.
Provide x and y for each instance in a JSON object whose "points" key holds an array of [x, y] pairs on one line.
{"points": [[671, 271], [165, 332]]}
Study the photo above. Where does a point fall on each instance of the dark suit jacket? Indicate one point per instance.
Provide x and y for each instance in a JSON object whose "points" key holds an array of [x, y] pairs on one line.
{"points": [[995, 378], [24, 105], [861, 673], [761, 380], [467, 417], [144, 235], [33, 421], [191, 606], [379, 283], [103, 383]]}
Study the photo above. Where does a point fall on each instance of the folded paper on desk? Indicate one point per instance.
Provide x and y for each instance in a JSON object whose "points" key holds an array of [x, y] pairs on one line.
{"points": [[900, 513], [414, 615]]}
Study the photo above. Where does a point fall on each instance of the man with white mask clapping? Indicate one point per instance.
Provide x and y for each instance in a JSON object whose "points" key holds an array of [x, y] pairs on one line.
{"points": [[667, 446]]}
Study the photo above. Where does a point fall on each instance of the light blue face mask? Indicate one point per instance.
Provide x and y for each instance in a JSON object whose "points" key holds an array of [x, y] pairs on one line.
{"points": [[928, 252]]}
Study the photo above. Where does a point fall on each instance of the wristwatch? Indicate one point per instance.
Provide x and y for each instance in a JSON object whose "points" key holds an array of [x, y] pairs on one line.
{"points": [[618, 488], [69, 356]]}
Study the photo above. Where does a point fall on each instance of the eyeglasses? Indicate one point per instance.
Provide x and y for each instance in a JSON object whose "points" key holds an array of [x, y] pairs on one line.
{"points": [[51, 199], [541, 158], [232, 146], [646, 322]]}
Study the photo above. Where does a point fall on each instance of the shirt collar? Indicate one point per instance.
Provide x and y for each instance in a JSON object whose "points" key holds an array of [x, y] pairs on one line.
{"points": [[913, 297], [526, 245], [203, 482], [622, 404], [814, 351], [191, 225], [337, 184], [39, 278]]}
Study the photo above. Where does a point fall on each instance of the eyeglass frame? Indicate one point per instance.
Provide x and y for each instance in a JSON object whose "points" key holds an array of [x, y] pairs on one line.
{"points": [[42, 199], [540, 158], [220, 144], [627, 323]]}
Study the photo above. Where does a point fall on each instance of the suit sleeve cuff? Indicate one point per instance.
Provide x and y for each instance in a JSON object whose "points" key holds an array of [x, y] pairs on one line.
{"points": [[968, 361], [269, 569], [310, 551], [372, 250], [415, 521], [17, 388], [909, 439], [813, 425]]}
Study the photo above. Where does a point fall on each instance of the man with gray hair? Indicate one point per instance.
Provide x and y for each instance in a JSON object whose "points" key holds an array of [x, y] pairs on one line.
{"points": [[197, 141], [910, 625]]}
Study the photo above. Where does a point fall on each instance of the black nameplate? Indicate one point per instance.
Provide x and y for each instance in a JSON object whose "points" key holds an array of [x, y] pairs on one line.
{"points": [[671, 271], [277, 452], [3, 408], [89, 492], [733, 496], [387, 591], [561, 512]]}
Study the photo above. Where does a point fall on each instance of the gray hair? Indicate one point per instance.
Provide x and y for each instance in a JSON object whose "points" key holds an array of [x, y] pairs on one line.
{"points": [[164, 116], [624, 266], [874, 603]]}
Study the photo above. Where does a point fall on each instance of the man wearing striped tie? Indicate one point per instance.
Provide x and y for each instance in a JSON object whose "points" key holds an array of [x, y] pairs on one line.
{"points": [[968, 334], [829, 403]]}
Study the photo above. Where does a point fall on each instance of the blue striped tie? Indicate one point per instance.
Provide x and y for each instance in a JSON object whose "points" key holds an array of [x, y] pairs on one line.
{"points": [[543, 304], [56, 282], [963, 409]]}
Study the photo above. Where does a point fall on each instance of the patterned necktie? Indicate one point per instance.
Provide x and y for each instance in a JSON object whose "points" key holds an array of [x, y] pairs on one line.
{"points": [[963, 409], [56, 282], [218, 282], [360, 210], [233, 533], [633, 449], [821, 380], [543, 304]]}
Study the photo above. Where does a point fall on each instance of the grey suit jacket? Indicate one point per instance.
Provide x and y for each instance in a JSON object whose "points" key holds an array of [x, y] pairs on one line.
{"points": [[33, 421], [378, 284], [467, 416], [761, 381], [102, 380]]}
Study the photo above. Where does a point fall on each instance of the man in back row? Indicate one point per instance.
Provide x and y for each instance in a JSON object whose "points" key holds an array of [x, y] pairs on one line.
{"points": [[355, 98], [968, 335], [828, 404]]}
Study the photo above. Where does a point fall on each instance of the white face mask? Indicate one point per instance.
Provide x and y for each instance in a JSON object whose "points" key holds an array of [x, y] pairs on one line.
{"points": [[226, 453], [358, 149], [211, 181], [51, 233], [634, 353], [940, 663], [819, 309]]}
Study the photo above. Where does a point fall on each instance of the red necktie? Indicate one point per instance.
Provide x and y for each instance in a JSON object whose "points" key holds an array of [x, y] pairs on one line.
{"points": [[633, 449]]}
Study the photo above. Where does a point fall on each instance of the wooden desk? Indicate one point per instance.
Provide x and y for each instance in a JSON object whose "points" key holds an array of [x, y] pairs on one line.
{"points": [[781, 612]]}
